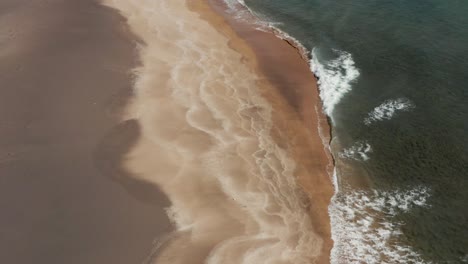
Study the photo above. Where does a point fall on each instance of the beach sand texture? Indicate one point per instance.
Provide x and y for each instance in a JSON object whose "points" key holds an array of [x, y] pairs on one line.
{"points": [[231, 139], [64, 78]]}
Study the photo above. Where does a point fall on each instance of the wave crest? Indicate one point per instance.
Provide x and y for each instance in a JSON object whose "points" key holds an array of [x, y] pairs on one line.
{"points": [[388, 109], [334, 78]]}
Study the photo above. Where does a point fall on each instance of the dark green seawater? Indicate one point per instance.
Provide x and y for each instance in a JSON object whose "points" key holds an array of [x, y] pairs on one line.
{"points": [[394, 79]]}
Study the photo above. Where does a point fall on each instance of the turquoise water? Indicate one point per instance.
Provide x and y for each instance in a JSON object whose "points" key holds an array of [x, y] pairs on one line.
{"points": [[394, 78]]}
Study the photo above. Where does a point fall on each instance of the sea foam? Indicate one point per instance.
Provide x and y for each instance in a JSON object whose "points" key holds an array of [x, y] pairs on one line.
{"points": [[359, 151], [335, 78], [388, 109], [365, 229]]}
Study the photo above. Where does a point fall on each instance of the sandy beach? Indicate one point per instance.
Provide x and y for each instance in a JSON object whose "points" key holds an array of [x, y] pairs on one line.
{"points": [[230, 122], [157, 132], [65, 75]]}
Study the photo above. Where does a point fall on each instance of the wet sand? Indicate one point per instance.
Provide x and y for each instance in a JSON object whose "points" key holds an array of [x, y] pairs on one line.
{"points": [[64, 80], [299, 122]]}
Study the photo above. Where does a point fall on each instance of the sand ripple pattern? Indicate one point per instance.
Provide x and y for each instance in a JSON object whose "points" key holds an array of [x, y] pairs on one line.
{"points": [[206, 142]]}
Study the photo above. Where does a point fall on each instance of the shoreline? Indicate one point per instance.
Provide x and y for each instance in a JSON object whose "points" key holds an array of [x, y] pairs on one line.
{"points": [[289, 107]]}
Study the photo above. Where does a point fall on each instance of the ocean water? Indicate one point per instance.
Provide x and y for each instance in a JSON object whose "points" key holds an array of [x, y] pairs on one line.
{"points": [[393, 78]]}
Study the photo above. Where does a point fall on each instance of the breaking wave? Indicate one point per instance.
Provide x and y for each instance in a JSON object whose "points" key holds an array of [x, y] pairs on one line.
{"points": [[365, 229], [335, 78], [388, 109]]}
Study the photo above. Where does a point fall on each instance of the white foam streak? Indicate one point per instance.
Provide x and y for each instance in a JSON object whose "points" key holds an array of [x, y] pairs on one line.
{"points": [[388, 109], [359, 151], [365, 229], [335, 78]]}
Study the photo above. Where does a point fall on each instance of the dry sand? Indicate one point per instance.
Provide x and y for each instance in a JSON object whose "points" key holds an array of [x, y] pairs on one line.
{"points": [[64, 77]]}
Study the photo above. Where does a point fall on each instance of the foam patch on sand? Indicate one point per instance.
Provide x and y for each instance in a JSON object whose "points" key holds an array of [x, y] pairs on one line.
{"points": [[388, 109], [365, 229]]}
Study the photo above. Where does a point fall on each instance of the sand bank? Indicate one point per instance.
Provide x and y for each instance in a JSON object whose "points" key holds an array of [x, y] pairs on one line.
{"points": [[64, 78], [232, 140]]}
